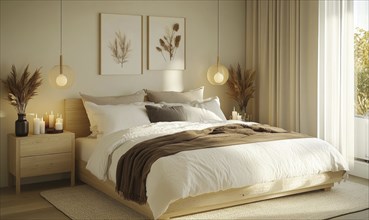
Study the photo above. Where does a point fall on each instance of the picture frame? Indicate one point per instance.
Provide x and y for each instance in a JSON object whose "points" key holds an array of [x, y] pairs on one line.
{"points": [[120, 44], [166, 43]]}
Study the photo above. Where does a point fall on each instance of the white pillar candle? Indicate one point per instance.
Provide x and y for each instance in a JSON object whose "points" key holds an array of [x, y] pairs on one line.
{"points": [[42, 126], [61, 119], [51, 120], [234, 114], [239, 117], [36, 125], [58, 126]]}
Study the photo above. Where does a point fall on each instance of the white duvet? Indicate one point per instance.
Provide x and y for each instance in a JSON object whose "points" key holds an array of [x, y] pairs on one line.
{"points": [[192, 173]]}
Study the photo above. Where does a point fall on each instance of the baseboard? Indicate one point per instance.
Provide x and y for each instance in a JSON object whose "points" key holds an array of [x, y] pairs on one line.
{"points": [[361, 169]]}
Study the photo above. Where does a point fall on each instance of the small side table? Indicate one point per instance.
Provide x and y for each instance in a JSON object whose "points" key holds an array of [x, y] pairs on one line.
{"points": [[37, 155]]}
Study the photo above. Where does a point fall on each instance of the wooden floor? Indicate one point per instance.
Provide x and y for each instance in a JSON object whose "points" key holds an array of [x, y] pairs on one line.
{"points": [[30, 205]]}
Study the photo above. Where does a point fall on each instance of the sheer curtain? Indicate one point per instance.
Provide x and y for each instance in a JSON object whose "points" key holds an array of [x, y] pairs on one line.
{"points": [[336, 76]]}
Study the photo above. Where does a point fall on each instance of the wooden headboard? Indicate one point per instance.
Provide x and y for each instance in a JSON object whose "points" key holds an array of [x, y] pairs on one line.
{"points": [[75, 117]]}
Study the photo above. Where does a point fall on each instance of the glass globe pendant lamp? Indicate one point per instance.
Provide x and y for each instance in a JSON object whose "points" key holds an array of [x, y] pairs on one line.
{"points": [[217, 74], [61, 76]]}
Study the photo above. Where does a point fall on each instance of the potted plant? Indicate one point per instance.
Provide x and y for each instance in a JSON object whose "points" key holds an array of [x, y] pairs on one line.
{"points": [[241, 86], [20, 91]]}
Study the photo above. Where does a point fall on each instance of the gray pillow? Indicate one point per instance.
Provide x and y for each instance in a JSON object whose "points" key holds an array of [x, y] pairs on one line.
{"points": [[175, 97], [165, 113]]}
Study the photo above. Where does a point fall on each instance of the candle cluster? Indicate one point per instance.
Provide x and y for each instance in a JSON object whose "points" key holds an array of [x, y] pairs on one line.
{"points": [[236, 115], [48, 122]]}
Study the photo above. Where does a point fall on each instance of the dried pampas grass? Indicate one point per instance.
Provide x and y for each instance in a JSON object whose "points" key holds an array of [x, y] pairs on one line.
{"points": [[23, 89], [241, 86]]}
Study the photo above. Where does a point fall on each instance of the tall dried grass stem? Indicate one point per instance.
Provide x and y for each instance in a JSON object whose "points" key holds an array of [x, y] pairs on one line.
{"points": [[241, 86]]}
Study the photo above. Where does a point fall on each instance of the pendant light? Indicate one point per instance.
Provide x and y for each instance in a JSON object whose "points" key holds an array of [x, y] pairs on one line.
{"points": [[61, 76], [217, 74]]}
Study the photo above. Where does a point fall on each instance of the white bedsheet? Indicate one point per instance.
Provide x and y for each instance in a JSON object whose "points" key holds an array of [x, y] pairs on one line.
{"points": [[192, 173]]}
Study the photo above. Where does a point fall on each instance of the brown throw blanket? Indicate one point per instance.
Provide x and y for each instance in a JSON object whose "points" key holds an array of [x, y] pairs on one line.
{"points": [[134, 165]]}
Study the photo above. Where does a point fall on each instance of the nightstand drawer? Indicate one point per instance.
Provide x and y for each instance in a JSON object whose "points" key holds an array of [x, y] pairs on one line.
{"points": [[46, 164], [45, 145]]}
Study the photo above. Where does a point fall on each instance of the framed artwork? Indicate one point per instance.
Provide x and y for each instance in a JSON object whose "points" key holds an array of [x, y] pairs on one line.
{"points": [[120, 44], [166, 43]]}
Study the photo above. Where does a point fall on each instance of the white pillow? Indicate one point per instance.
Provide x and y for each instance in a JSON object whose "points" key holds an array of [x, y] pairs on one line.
{"points": [[111, 118], [109, 100], [196, 114], [212, 104]]}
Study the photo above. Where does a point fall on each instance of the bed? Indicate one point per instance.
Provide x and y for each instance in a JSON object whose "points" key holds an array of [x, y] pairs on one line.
{"points": [[76, 120]]}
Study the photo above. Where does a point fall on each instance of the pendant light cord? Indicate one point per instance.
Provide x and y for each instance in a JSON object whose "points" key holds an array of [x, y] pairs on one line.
{"points": [[61, 38], [61, 27], [218, 36]]}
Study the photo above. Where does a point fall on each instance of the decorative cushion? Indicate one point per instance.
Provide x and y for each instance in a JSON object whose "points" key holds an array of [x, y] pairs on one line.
{"points": [[175, 97], [165, 113]]}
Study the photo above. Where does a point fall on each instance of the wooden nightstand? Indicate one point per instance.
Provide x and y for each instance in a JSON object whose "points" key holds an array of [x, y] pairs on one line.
{"points": [[43, 154]]}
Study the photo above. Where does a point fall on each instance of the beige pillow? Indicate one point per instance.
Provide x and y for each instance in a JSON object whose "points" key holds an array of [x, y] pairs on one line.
{"points": [[114, 100], [175, 97]]}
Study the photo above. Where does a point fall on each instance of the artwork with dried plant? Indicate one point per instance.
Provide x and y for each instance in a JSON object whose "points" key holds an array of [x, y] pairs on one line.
{"points": [[120, 48], [170, 42], [120, 44], [21, 90], [241, 86], [166, 43]]}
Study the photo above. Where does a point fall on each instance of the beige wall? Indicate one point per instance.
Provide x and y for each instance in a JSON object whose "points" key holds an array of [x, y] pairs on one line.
{"points": [[30, 35]]}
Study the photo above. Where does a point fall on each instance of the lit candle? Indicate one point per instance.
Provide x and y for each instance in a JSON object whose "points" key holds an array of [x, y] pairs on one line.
{"points": [[234, 114], [61, 119], [58, 126], [59, 122], [36, 125], [42, 126], [51, 120], [46, 119], [239, 117]]}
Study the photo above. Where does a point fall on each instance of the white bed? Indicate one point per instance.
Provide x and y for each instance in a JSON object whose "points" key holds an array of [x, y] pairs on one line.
{"points": [[181, 184]]}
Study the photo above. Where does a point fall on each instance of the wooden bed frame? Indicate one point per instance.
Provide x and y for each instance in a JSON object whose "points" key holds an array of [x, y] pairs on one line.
{"points": [[76, 121]]}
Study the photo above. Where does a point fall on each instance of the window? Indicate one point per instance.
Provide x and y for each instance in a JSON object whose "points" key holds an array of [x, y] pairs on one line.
{"points": [[361, 66]]}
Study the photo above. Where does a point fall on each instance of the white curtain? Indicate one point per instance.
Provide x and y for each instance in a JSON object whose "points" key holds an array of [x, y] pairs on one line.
{"points": [[336, 76], [273, 50]]}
